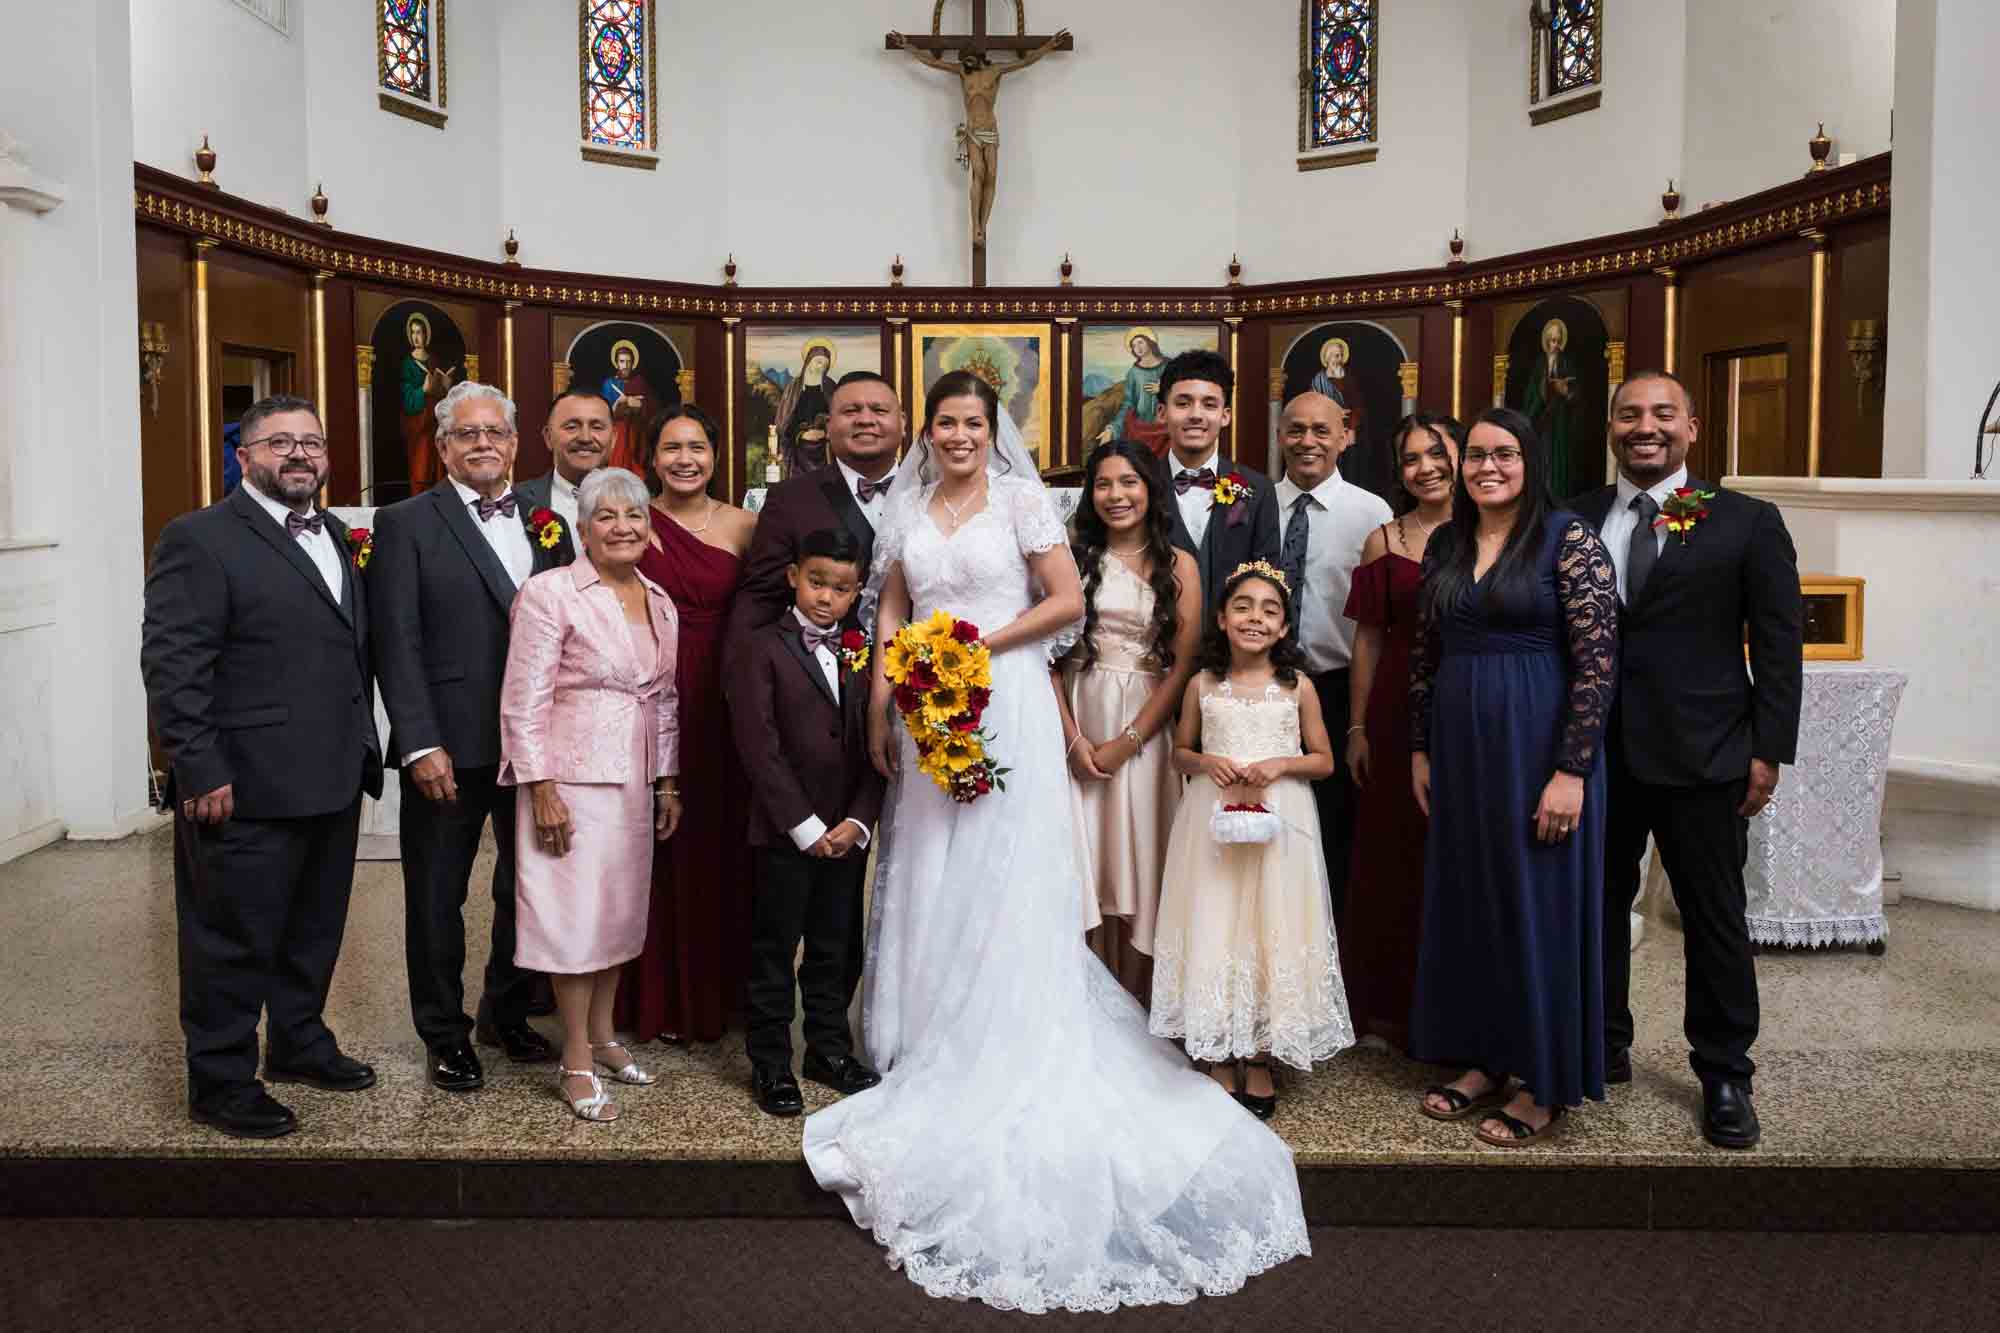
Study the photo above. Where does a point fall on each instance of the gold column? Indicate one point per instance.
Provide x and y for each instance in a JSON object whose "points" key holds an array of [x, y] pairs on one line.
{"points": [[1457, 358], [684, 381], [1064, 452], [729, 323], [364, 382], [204, 392], [1818, 348], [1408, 372], [507, 347], [1500, 380], [1672, 352], [319, 362], [898, 336], [1236, 373]]}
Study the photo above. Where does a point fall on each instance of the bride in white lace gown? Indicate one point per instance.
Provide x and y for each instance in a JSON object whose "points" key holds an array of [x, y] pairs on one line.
{"points": [[1030, 1145]]}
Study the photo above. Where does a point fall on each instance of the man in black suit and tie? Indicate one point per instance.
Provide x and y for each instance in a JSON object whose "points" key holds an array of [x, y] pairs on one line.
{"points": [[1694, 741], [578, 433], [255, 654], [447, 564], [1195, 392]]}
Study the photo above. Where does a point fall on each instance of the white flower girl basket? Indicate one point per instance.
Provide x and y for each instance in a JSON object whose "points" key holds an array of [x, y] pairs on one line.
{"points": [[1243, 823]]}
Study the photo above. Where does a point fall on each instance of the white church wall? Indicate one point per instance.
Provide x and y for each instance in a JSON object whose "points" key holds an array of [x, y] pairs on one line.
{"points": [[71, 568], [1592, 173], [1763, 73], [1396, 212], [208, 66]]}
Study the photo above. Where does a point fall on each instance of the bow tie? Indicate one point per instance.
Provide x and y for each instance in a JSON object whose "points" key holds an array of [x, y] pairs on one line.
{"points": [[1184, 480], [867, 490], [817, 638], [504, 505], [296, 523]]}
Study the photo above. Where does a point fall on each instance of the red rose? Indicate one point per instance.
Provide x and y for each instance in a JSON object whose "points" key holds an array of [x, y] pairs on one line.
{"points": [[854, 641], [542, 517], [964, 722], [922, 677], [982, 786], [965, 632], [908, 699], [978, 697], [358, 536]]}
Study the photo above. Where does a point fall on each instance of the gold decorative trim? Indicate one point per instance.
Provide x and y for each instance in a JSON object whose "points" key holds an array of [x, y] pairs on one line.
{"points": [[1574, 106], [559, 374], [364, 366], [1500, 379], [409, 110], [1353, 157], [472, 367], [1407, 372], [621, 157], [684, 381]]}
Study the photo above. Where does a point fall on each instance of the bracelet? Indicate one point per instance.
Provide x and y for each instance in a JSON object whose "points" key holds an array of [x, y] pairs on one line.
{"points": [[1073, 744], [1358, 726], [1132, 735]]}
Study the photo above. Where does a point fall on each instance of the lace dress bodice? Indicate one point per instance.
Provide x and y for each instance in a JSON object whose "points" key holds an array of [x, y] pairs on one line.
{"points": [[980, 573], [1250, 726]]}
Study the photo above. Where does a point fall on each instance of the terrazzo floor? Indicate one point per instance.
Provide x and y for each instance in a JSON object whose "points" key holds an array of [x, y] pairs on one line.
{"points": [[1887, 1061]]}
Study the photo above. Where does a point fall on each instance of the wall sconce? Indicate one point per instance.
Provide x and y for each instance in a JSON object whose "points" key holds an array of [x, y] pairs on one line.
{"points": [[153, 349], [1864, 349]]}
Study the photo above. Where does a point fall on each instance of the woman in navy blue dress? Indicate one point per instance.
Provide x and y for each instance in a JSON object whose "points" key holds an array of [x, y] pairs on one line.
{"points": [[1514, 676]]}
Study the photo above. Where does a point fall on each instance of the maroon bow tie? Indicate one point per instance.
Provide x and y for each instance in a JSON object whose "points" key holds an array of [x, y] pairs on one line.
{"points": [[817, 638], [1185, 481], [867, 490], [295, 523], [504, 505]]}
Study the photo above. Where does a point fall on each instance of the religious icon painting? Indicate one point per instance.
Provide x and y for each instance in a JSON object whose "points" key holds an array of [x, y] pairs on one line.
{"points": [[1121, 378], [639, 368], [1557, 376], [789, 371], [420, 351], [1358, 364], [1013, 358]]}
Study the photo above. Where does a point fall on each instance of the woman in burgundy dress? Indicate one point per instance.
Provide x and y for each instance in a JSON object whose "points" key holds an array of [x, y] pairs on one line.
{"points": [[688, 983], [1385, 896]]}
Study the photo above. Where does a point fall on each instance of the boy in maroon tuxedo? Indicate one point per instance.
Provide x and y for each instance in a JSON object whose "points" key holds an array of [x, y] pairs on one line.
{"points": [[800, 705]]}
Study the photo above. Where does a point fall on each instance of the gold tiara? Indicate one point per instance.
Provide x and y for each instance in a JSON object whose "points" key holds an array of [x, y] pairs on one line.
{"points": [[1262, 569]]}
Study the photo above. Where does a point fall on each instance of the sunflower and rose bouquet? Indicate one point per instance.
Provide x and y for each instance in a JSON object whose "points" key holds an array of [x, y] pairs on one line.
{"points": [[943, 676]]}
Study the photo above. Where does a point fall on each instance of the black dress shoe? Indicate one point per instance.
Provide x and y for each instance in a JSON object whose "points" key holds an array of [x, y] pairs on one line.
{"points": [[455, 1068], [249, 1114], [1618, 1066], [524, 1045], [1728, 1116], [337, 1074], [776, 1090], [844, 1074]]}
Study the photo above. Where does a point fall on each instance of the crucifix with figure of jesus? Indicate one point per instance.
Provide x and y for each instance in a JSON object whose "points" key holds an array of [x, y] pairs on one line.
{"points": [[980, 75]]}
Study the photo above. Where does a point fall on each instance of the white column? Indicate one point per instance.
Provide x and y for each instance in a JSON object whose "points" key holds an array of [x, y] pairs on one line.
{"points": [[1944, 268]]}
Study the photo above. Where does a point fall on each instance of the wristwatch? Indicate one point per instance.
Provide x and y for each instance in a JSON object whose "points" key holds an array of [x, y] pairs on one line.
{"points": [[1132, 735]]}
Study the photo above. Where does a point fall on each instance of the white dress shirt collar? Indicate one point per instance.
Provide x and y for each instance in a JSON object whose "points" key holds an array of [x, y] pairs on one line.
{"points": [[854, 479], [1627, 491], [1210, 462], [276, 509], [1288, 491]]}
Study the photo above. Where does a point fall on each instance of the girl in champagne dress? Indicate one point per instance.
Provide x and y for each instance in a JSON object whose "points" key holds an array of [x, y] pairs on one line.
{"points": [[1118, 689]]}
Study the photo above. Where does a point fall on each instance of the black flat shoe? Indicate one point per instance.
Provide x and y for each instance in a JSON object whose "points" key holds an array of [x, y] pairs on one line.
{"points": [[523, 1045], [1728, 1116], [338, 1074], [777, 1092], [1261, 1107], [251, 1114], [455, 1067], [1618, 1066], [844, 1074]]}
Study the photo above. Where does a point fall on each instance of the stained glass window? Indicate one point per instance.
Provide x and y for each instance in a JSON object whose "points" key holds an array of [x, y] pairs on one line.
{"points": [[403, 32], [1573, 44], [1338, 41], [618, 78]]}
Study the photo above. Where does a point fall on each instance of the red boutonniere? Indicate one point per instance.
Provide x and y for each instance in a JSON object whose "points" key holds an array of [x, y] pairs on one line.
{"points": [[361, 542], [1683, 509], [547, 527], [853, 651]]}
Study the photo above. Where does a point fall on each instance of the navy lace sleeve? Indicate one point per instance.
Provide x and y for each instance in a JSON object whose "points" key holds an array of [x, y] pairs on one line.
{"points": [[1587, 592], [1424, 660]]}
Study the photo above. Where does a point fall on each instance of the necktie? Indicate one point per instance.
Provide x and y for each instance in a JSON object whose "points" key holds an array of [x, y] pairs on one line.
{"points": [[506, 504], [817, 638], [867, 490], [1184, 480], [1644, 547], [1292, 551], [295, 523]]}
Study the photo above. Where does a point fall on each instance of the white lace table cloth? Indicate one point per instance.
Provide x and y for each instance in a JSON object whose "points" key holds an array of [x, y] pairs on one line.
{"points": [[1815, 868]]}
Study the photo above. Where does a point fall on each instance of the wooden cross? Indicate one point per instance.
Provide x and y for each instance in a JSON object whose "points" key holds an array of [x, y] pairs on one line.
{"points": [[980, 75]]}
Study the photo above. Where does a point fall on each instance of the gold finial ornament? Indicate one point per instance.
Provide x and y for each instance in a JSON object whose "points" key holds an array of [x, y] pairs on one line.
{"points": [[896, 272], [729, 271], [1821, 148], [512, 247], [204, 160], [1235, 271], [1670, 203], [1068, 271], [320, 204]]}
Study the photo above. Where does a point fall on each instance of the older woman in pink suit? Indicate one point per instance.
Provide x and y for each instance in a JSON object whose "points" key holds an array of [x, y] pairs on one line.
{"points": [[589, 732]]}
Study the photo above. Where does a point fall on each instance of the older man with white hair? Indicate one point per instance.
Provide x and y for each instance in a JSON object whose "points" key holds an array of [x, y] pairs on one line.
{"points": [[442, 579]]}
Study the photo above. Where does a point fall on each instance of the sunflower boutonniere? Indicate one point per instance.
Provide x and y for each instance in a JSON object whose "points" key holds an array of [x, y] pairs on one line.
{"points": [[547, 527], [1683, 509]]}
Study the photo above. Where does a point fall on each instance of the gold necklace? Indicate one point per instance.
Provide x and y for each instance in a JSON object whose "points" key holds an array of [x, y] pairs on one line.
{"points": [[713, 505], [955, 510]]}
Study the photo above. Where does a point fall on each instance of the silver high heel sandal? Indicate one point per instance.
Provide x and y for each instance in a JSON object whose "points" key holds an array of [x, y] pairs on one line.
{"points": [[629, 1072], [598, 1108]]}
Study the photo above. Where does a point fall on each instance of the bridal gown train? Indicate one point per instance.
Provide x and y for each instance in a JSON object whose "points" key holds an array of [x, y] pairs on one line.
{"points": [[1030, 1145]]}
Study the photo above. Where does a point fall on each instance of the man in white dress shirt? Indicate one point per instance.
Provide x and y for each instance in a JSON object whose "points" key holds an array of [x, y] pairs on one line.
{"points": [[578, 434], [446, 567], [1324, 521]]}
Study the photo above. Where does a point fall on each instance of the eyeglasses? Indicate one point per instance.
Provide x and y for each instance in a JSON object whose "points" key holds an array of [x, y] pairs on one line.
{"points": [[1500, 458], [472, 434], [284, 446]]}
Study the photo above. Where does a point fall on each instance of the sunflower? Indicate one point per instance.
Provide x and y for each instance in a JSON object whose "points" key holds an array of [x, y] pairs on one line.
{"points": [[938, 629], [896, 659], [950, 659], [942, 704], [961, 752]]}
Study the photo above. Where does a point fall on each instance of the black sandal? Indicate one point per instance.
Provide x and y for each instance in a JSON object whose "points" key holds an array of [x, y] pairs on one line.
{"points": [[1519, 1132], [1463, 1104]]}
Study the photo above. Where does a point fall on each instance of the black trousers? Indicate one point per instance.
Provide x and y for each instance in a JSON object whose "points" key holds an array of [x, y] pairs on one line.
{"points": [[1334, 795], [439, 842], [261, 906], [808, 898], [1703, 843]]}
